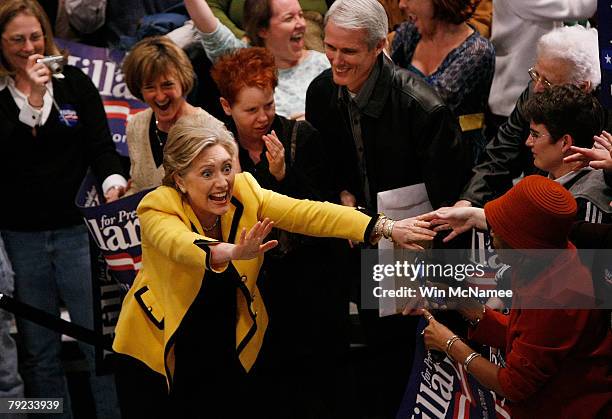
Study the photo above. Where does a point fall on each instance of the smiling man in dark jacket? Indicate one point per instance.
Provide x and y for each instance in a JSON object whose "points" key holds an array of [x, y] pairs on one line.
{"points": [[383, 129]]}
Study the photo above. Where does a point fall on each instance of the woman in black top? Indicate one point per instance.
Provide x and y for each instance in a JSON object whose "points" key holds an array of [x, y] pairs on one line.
{"points": [[52, 129]]}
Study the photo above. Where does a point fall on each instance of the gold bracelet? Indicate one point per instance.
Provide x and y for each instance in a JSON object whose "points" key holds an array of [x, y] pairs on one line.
{"points": [[389, 230], [469, 359], [378, 229], [379, 224], [383, 227]]}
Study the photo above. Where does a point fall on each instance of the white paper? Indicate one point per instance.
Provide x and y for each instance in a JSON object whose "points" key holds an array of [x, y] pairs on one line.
{"points": [[398, 204]]}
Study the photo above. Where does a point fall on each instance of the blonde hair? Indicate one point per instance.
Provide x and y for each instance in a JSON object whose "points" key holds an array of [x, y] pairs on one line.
{"points": [[189, 136], [155, 57], [9, 10]]}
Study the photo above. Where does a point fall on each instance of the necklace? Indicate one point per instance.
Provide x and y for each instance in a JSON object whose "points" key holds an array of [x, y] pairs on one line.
{"points": [[212, 227], [161, 141]]}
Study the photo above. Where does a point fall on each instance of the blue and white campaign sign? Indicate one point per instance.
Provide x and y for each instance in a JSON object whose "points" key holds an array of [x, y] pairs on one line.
{"points": [[103, 66], [115, 229], [604, 26]]}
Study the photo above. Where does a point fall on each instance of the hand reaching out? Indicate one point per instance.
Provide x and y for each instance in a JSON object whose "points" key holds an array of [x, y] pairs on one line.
{"points": [[348, 199], [116, 192], [409, 231], [250, 245], [459, 219]]}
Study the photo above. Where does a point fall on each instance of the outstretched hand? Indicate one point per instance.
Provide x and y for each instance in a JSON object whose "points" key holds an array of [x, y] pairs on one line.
{"points": [[250, 245], [409, 231], [457, 219]]}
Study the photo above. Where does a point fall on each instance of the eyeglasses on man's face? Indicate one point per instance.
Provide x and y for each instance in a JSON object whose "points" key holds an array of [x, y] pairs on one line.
{"points": [[20, 40], [536, 77]]}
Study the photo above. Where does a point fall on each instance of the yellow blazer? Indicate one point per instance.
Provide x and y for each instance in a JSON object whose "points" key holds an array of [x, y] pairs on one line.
{"points": [[175, 258]]}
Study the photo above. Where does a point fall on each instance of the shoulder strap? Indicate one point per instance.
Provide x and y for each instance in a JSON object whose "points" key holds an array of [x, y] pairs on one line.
{"points": [[293, 142]]}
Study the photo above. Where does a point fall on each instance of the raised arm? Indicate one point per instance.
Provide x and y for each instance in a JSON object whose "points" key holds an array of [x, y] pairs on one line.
{"points": [[220, 9], [202, 15], [216, 38]]}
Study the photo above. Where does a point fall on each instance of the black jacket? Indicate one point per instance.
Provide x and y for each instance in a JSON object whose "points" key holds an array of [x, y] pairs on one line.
{"points": [[40, 175], [409, 136], [306, 174], [506, 157]]}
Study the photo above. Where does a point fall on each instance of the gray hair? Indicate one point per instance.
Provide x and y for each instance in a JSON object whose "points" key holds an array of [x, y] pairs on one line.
{"points": [[187, 138], [360, 14], [576, 45]]}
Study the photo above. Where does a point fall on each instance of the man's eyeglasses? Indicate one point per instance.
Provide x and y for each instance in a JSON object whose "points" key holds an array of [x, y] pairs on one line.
{"points": [[20, 40], [536, 77]]}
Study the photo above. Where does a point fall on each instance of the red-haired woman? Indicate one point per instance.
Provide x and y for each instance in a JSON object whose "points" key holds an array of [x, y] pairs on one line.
{"points": [[282, 154], [286, 156]]}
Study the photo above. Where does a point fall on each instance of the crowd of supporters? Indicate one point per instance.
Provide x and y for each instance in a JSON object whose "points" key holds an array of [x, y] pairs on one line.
{"points": [[259, 109]]}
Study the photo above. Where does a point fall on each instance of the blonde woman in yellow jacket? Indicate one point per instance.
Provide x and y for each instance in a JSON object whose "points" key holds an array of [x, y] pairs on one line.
{"points": [[202, 247]]}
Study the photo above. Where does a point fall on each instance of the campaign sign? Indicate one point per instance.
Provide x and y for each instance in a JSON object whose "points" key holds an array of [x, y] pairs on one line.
{"points": [[103, 66], [445, 389], [115, 230]]}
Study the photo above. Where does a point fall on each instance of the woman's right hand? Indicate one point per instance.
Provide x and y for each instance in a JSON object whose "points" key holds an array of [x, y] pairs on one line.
{"points": [[38, 75], [251, 244], [459, 219]]}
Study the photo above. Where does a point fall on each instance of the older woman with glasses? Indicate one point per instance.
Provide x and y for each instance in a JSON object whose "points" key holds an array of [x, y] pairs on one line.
{"points": [[53, 129], [567, 55]]}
